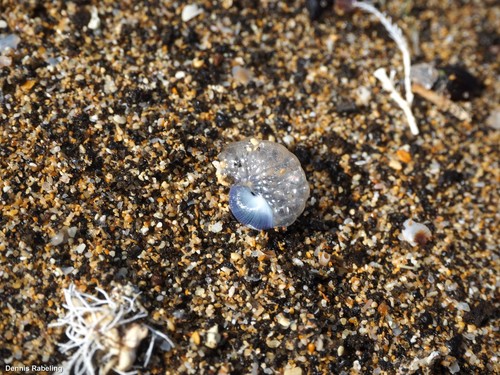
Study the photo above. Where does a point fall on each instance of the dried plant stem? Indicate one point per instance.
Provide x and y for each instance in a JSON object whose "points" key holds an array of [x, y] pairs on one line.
{"points": [[387, 84], [442, 102], [397, 35]]}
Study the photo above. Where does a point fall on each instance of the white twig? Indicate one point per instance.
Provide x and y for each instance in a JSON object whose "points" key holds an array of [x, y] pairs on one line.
{"points": [[397, 35], [387, 84]]}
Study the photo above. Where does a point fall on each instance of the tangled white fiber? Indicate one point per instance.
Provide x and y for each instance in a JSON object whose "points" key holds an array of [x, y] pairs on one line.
{"points": [[105, 332]]}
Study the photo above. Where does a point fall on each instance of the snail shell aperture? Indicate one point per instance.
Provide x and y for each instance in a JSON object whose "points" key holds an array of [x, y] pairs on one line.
{"points": [[270, 187]]}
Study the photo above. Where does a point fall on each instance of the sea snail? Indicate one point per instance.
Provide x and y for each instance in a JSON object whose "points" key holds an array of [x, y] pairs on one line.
{"points": [[270, 187]]}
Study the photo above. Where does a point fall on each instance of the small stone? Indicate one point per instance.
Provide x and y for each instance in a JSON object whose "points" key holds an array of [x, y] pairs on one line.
{"points": [[226, 4], [323, 258], [120, 120], [464, 306], [72, 231], [416, 233], [293, 371], [493, 120], [241, 75], [425, 74], [54, 150], [215, 227], [5, 61], [395, 164], [454, 367], [363, 95], [283, 320], [80, 248], [28, 85], [404, 156], [195, 338], [288, 140], [60, 238], [9, 41], [180, 74], [198, 63], [190, 11], [94, 22], [311, 348], [67, 270], [273, 343], [213, 337], [109, 85]]}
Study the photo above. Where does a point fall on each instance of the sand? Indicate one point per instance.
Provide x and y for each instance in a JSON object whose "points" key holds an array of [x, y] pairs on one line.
{"points": [[112, 115]]}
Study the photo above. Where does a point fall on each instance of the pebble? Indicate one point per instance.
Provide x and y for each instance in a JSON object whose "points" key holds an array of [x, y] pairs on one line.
{"points": [[416, 233], [493, 120], [95, 21], [424, 74], [9, 41], [60, 237], [80, 248], [190, 11], [212, 337], [293, 371], [241, 75], [120, 120], [216, 227]]}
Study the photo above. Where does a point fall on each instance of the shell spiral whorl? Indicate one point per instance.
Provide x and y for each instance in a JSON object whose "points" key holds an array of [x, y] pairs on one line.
{"points": [[270, 187]]}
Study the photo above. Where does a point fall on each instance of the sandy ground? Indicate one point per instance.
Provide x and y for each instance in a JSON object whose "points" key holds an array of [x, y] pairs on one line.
{"points": [[112, 114]]}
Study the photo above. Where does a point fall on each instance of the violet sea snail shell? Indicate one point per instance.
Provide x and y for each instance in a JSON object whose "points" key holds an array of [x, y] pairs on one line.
{"points": [[270, 187]]}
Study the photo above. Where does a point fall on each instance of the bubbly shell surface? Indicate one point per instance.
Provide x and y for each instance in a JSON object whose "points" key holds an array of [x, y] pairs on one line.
{"points": [[266, 170]]}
